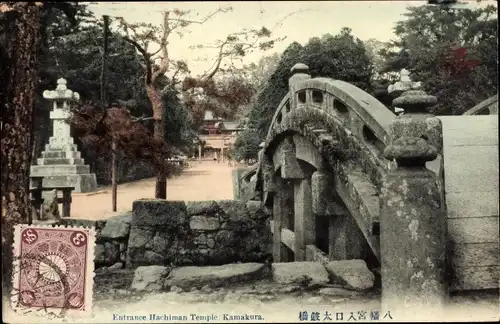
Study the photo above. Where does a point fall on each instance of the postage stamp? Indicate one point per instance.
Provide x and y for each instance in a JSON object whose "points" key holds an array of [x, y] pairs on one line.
{"points": [[53, 270]]}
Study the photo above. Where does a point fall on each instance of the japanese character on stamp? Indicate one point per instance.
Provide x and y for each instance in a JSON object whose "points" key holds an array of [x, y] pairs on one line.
{"points": [[53, 269]]}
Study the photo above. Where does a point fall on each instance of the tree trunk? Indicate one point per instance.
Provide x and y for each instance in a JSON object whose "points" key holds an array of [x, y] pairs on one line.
{"points": [[161, 174], [21, 27], [159, 136]]}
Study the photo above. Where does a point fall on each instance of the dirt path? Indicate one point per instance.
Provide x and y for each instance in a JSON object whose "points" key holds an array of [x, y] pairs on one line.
{"points": [[201, 181]]}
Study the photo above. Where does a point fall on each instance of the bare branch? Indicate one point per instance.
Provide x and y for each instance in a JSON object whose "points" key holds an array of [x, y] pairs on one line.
{"points": [[215, 67], [204, 20], [140, 119], [164, 65]]}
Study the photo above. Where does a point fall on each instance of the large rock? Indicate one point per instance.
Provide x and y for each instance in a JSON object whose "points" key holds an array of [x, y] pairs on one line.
{"points": [[205, 223], [310, 273], [214, 276], [337, 292], [117, 227], [149, 278], [353, 273]]}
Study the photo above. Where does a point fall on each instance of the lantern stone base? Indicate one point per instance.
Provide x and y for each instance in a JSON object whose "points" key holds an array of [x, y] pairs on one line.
{"points": [[81, 182], [61, 165]]}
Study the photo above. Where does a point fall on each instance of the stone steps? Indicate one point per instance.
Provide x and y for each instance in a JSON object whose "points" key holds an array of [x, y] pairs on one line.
{"points": [[352, 275], [43, 170], [57, 141], [61, 154], [66, 147], [60, 161]]}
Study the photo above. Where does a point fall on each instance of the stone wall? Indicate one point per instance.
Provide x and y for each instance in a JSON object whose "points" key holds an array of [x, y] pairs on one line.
{"points": [[112, 237], [197, 233], [160, 232]]}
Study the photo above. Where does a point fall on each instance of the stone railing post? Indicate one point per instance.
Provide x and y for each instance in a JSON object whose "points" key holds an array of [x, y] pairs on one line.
{"points": [[299, 72], [412, 224], [282, 215]]}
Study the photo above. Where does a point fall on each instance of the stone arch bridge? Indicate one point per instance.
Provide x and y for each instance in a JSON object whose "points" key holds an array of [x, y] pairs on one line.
{"points": [[345, 178]]}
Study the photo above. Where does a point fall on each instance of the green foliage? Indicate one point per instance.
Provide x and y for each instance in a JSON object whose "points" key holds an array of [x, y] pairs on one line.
{"points": [[78, 57], [341, 57], [179, 132], [424, 40], [246, 146], [74, 51], [269, 98]]}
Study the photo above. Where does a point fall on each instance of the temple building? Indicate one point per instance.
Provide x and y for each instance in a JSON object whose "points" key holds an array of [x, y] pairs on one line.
{"points": [[216, 136]]}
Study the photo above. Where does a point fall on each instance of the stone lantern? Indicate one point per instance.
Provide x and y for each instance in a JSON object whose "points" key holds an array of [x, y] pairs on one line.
{"points": [[404, 84], [61, 163]]}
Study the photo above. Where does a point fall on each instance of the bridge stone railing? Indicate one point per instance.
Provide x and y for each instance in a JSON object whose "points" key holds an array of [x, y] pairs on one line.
{"points": [[376, 163], [486, 107]]}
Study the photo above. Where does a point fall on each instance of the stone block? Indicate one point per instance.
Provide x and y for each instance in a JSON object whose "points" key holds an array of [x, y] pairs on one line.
{"points": [[205, 223], [215, 276], [66, 147], [201, 207], [124, 218], [149, 278], [290, 167], [140, 237], [81, 182], [306, 151], [310, 273], [117, 228], [321, 192], [353, 273], [61, 155], [225, 238], [235, 210], [160, 243], [42, 170], [337, 292], [152, 212], [59, 161]]}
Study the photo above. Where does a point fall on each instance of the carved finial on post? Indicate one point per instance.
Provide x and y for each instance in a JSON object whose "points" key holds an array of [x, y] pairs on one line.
{"points": [[412, 223], [300, 68], [404, 84], [300, 72], [409, 148]]}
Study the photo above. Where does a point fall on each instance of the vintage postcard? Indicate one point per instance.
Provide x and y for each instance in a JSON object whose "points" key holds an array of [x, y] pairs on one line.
{"points": [[249, 161]]}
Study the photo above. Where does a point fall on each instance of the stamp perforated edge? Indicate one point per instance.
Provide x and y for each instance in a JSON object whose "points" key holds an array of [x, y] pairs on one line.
{"points": [[89, 271]]}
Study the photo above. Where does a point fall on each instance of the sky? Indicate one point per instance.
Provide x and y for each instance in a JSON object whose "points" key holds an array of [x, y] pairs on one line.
{"points": [[297, 20]]}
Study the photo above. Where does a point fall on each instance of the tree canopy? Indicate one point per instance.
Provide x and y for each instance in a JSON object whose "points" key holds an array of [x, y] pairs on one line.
{"points": [[452, 52], [341, 56], [73, 50]]}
